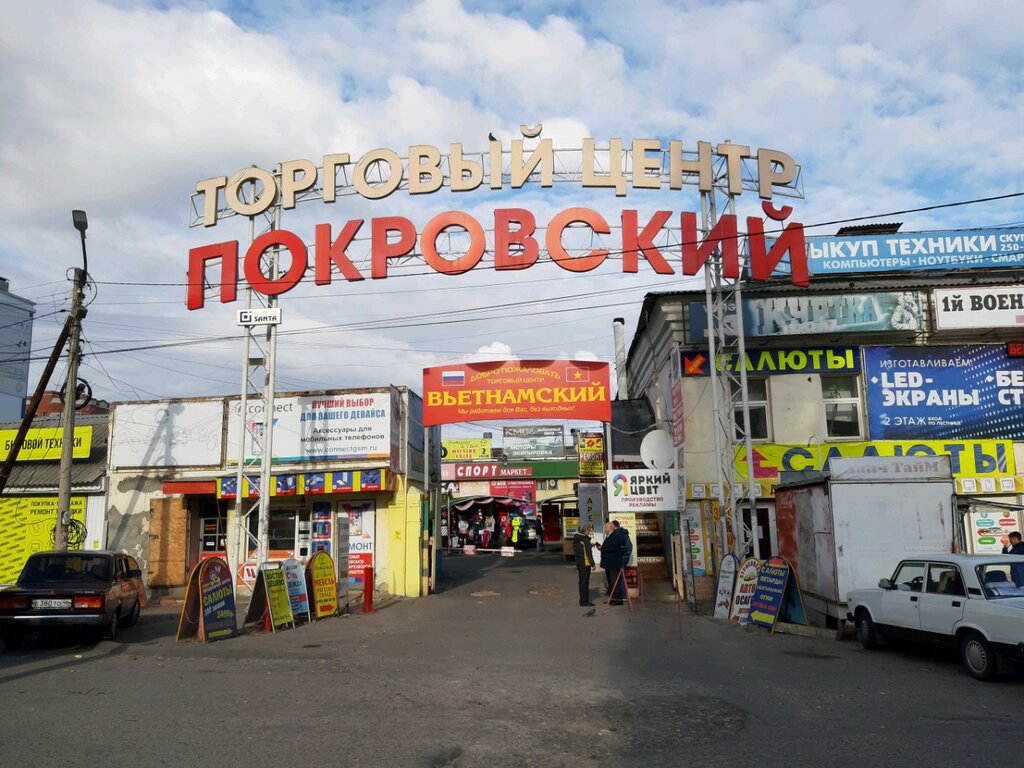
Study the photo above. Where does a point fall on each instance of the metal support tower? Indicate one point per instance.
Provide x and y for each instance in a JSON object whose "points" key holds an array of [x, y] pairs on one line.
{"points": [[729, 390], [255, 435]]}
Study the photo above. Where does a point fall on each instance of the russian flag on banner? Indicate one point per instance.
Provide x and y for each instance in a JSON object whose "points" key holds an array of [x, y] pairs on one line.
{"points": [[453, 378], [575, 375]]}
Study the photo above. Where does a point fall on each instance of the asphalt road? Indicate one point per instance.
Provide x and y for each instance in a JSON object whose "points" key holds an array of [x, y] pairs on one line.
{"points": [[500, 669]]}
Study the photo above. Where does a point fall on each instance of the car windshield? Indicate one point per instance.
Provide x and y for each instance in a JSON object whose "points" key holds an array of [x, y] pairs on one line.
{"points": [[1002, 580], [40, 569]]}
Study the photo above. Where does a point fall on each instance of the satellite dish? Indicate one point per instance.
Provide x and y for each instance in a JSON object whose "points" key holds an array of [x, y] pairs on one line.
{"points": [[657, 451]]}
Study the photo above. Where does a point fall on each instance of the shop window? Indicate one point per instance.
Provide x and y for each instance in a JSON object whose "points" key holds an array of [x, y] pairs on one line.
{"points": [[282, 530], [841, 396], [757, 398], [212, 532], [281, 533]]}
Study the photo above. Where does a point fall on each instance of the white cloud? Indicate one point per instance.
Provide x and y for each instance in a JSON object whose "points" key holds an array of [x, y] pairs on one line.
{"points": [[495, 351], [121, 107]]}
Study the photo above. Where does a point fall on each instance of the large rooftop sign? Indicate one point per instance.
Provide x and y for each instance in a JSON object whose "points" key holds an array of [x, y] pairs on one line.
{"points": [[671, 242], [915, 251]]}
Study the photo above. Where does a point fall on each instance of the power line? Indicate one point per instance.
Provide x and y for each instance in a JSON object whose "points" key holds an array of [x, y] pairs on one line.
{"points": [[618, 253], [392, 323]]}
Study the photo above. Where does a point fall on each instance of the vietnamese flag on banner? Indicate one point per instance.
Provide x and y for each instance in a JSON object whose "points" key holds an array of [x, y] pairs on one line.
{"points": [[575, 375], [516, 389]]}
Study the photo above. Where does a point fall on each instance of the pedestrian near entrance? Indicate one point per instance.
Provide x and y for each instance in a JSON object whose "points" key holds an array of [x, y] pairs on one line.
{"points": [[581, 548], [1015, 546], [613, 550]]}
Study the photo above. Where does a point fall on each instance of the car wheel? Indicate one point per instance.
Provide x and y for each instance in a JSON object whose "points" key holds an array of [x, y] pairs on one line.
{"points": [[978, 657], [133, 616], [12, 639], [867, 631]]}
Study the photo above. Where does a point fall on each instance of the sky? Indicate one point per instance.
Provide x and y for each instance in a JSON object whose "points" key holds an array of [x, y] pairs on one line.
{"points": [[120, 108]]}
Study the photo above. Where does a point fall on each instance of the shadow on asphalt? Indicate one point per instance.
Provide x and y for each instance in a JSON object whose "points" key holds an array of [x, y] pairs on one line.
{"points": [[458, 569], [154, 624]]}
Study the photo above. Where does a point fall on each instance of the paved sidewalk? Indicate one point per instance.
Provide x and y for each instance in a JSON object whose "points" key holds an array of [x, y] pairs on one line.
{"points": [[501, 668]]}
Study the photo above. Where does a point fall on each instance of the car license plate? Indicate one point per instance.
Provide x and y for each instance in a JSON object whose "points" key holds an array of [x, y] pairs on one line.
{"points": [[64, 603], [531, 534]]}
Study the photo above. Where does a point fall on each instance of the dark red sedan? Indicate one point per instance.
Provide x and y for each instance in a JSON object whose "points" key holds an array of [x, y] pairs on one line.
{"points": [[96, 590]]}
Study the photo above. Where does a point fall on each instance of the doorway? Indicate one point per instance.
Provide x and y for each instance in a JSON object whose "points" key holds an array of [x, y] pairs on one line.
{"points": [[764, 530]]}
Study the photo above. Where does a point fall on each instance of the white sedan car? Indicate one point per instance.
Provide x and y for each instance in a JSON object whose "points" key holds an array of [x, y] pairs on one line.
{"points": [[971, 602]]}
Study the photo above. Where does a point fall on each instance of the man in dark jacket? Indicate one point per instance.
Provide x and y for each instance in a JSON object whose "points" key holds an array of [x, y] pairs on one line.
{"points": [[613, 551], [1015, 546], [581, 548]]}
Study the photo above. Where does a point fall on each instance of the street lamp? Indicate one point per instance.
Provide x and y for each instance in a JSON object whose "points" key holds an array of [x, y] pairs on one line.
{"points": [[81, 222]]}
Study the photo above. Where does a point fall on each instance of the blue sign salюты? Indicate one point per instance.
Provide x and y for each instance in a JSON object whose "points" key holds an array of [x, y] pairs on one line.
{"points": [[771, 362]]}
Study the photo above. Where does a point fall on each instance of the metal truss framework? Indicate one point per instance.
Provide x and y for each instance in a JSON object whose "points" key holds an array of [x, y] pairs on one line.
{"points": [[733, 439], [258, 384]]}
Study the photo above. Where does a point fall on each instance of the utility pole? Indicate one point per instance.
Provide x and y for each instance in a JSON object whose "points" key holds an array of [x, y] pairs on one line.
{"points": [[33, 406], [60, 536]]}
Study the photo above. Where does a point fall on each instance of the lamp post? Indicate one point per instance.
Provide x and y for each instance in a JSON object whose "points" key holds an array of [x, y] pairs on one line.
{"points": [[60, 534]]}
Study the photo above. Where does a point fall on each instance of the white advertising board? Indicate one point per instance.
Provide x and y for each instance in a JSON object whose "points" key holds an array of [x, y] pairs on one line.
{"points": [[988, 529], [263, 316], [979, 307], [167, 434], [726, 586], [883, 468], [743, 595], [295, 581], [354, 425], [694, 540], [362, 527], [642, 490]]}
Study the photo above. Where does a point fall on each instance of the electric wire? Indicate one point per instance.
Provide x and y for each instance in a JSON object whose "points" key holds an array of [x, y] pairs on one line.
{"points": [[779, 230], [393, 323]]}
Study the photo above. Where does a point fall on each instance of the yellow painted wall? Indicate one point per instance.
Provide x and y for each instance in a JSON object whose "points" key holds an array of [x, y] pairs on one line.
{"points": [[403, 525]]}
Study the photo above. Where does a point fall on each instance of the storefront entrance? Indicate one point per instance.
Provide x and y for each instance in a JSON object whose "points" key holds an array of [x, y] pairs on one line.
{"points": [[764, 531]]}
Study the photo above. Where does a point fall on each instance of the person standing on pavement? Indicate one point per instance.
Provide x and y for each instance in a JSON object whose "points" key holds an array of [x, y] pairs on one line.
{"points": [[1015, 546], [581, 548], [605, 562], [613, 549], [627, 555]]}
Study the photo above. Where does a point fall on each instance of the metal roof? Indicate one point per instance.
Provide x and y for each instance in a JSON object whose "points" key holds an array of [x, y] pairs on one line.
{"points": [[870, 229]]}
